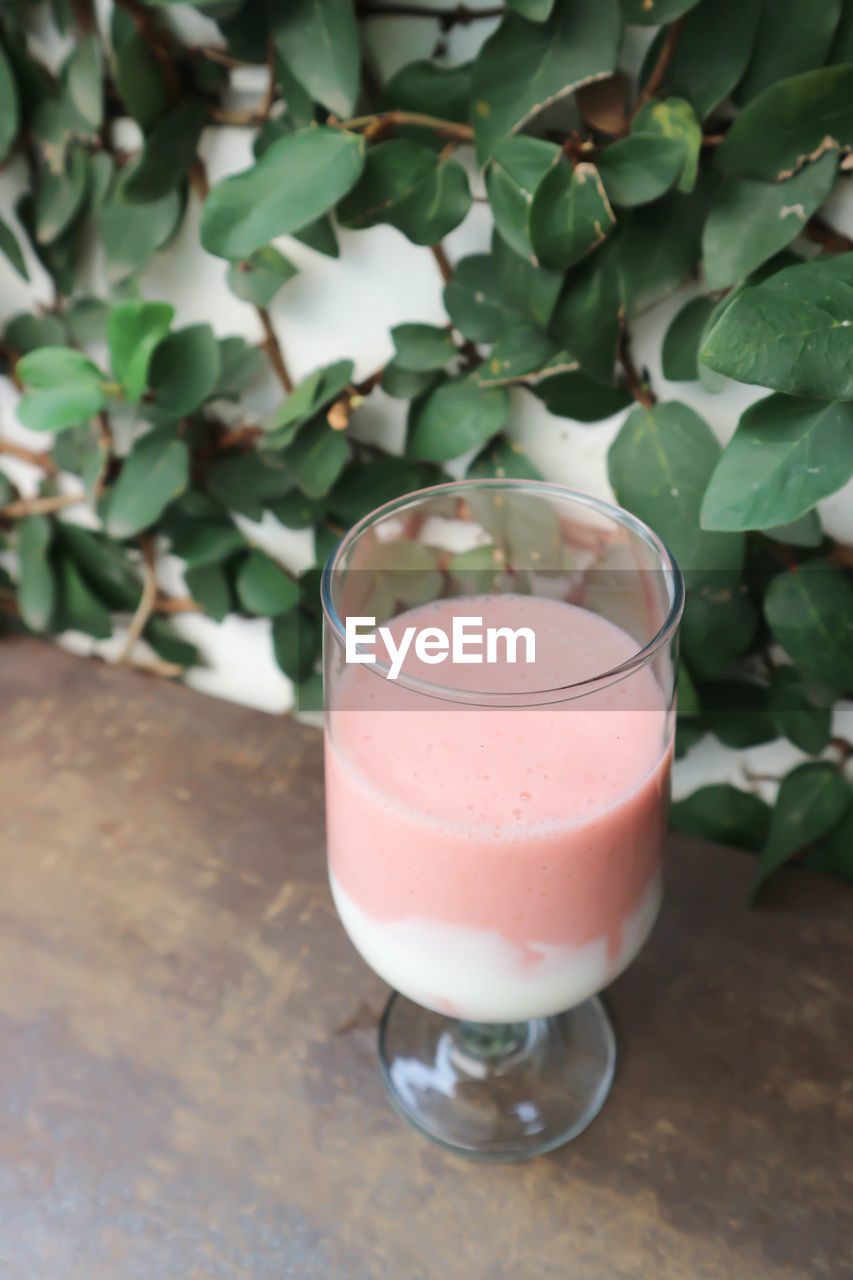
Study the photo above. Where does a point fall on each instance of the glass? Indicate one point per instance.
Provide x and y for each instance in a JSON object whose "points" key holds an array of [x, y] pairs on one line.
{"points": [[495, 826]]}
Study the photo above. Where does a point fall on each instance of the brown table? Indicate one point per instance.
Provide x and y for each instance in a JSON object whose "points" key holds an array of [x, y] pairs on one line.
{"points": [[187, 1040]]}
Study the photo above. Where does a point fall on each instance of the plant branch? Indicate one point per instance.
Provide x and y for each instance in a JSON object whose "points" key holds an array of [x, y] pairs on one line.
{"points": [[634, 382], [23, 507], [659, 70], [42, 460], [147, 601], [272, 347], [444, 265], [827, 237], [444, 128]]}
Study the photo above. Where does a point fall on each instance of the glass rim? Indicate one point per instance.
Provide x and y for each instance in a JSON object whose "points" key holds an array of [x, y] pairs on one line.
{"points": [[545, 488]]}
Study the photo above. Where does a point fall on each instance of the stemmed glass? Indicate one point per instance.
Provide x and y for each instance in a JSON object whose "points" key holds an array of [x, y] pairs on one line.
{"points": [[495, 823]]}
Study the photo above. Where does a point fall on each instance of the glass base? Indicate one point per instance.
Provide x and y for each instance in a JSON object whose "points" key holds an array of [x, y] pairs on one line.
{"points": [[497, 1091]]}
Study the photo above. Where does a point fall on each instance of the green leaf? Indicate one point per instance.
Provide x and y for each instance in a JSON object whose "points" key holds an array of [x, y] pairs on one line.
{"points": [[318, 41], [155, 471], [84, 80], [805, 532], [522, 351], [79, 608], [103, 564], [688, 699], [750, 221], [720, 623], [570, 215], [657, 248], [738, 713], [724, 814], [659, 465], [208, 586], [246, 484], [317, 457], [363, 488], [60, 196], [425, 87], [712, 53], [36, 587], [801, 713], [169, 151], [239, 364], [297, 179], [319, 235], [786, 454], [140, 81], [134, 329], [316, 391], [502, 458], [587, 319], [533, 290], [457, 416], [476, 303], [810, 612], [516, 168], [533, 10], [131, 233], [24, 332], [66, 389], [295, 644], [811, 800], [680, 352], [263, 588], [295, 511], [87, 320], [258, 278], [641, 167], [790, 332], [792, 122], [9, 107], [11, 250], [405, 384], [524, 67], [574, 395], [206, 542], [793, 36], [834, 856], [169, 646], [649, 13], [422, 348], [184, 370], [410, 187], [674, 118]]}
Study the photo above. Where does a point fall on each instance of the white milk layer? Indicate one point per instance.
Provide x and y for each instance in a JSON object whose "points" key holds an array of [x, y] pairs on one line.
{"points": [[478, 974]]}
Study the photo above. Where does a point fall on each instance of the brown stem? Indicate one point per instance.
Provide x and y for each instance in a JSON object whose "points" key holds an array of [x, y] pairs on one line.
{"points": [[638, 387], [661, 66], [177, 604], [273, 349], [827, 237], [40, 506], [42, 460], [147, 601], [237, 437], [238, 119], [443, 261], [444, 128], [217, 55], [198, 178]]}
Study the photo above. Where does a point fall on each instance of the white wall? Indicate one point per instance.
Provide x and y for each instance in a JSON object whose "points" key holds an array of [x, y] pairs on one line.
{"points": [[345, 307]]}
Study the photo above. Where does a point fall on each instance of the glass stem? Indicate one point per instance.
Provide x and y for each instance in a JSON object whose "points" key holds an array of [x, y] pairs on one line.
{"points": [[480, 1049]]}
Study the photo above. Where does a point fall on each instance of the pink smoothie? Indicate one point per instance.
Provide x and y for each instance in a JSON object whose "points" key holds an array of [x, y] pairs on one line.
{"points": [[504, 862]]}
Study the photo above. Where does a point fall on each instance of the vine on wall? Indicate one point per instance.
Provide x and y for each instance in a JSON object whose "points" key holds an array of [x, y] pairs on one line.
{"points": [[714, 166]]}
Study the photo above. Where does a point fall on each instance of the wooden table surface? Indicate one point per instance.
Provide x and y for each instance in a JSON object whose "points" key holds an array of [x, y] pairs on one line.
{"points": [[188, 1074]]}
